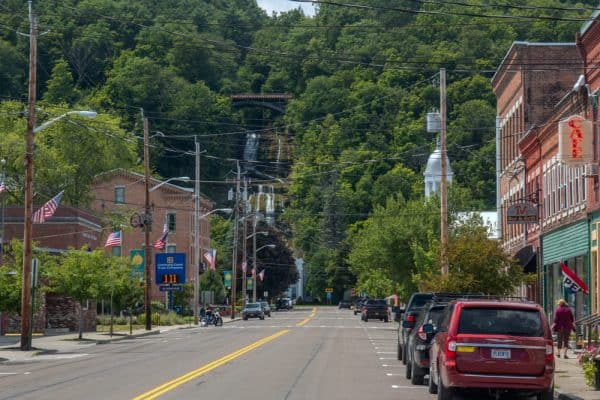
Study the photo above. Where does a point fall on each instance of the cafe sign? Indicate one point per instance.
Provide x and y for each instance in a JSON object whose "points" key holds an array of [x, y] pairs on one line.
{"points": [[521, 213], [575, 141]]}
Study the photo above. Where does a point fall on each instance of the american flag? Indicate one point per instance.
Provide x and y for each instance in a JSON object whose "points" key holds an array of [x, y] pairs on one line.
{"points": [[160, 243], [211, 256], [47, 209], [261, 275], [114, 239]]}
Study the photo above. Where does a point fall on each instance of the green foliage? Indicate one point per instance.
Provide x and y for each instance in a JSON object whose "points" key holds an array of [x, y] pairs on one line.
{"points": [[377, 285], [211, 281], [477, 264], [60, 87], [589, 372]]}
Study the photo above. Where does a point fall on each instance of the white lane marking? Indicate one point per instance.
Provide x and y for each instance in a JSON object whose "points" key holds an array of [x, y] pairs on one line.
{"points": [[59, 356], [9, 373], [390, 374], [387, 358], [386, 352], [406, 387]]}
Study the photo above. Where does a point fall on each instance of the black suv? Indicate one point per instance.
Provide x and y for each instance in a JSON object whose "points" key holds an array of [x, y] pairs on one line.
{"points": [[411, 312], [414, 308], [419, 343]]}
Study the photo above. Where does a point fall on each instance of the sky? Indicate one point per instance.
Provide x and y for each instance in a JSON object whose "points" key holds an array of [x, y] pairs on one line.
{"points": [[285, 5]]}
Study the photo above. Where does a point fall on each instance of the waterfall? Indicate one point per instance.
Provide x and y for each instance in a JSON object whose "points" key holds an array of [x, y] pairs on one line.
{"points": [[251, 148], [270, 205]]}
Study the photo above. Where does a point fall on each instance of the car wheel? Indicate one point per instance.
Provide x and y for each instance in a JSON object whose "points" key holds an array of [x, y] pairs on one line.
{"points": [[386, 319], [443, 392], [418, 376], [408, 371], [432, 387], [261, 318], [245, 318], [366, 319], [547, 395], [404, 355], [399, 352]]}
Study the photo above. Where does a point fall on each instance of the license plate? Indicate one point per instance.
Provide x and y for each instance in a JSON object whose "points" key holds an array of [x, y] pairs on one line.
{"points": [[501, 353]]}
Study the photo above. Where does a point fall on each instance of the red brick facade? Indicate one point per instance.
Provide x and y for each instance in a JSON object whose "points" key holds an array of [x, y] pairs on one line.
{"points": [[123, 192]]}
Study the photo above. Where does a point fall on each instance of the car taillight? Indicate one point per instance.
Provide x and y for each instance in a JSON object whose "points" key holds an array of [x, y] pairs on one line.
{"points": [[451, 350], [410, 318], [549, 352], [422, 335], [364, 308]]}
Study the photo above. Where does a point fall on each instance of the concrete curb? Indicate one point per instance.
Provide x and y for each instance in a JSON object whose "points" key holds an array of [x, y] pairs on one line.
{"points": [[565, 396]]}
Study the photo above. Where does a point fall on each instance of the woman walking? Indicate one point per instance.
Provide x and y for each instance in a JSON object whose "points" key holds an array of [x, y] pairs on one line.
{"points": [[563, 325]]}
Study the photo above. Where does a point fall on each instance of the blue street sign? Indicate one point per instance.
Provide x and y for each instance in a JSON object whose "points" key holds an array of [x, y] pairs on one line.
{"points": [[170, 288], [170, 268]]}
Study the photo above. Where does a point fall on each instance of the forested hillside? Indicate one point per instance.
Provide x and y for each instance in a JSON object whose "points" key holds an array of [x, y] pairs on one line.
{"points": [[363, 75]]}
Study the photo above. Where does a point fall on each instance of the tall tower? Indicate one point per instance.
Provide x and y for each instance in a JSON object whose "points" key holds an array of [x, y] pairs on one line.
{"points": [[433, 172]]}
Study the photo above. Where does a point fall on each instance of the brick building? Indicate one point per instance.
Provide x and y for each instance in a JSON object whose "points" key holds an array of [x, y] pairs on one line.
{"points": [[123, 192], [528, 86]]}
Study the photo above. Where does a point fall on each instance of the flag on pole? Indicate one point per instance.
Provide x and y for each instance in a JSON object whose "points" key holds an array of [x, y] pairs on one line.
{"points": [[253, 272], [571, 281], [114, 239], [244, 266], [211, 257], [2, 186], [160, 243], [261, 275], [47, 209]]}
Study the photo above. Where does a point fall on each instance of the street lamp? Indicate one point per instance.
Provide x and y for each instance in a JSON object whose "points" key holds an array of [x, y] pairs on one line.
{"points": [[252, 235], [26, 309], [272, 246], [198, 254]]}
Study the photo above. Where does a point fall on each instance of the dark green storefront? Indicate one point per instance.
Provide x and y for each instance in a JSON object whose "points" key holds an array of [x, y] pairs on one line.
{"points": [[569, 245]]}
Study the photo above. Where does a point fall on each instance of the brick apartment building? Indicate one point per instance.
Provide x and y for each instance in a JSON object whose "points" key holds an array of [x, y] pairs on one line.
{"points": [[540, 87], [123, 192]]}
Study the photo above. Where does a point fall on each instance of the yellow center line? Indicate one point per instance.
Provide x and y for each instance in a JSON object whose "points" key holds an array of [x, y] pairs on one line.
{"points": [[172, 384], [311, 316]]}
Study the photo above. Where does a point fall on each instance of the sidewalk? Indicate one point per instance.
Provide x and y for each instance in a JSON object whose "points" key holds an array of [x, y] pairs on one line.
{"points": [[69, 343], [569, 381]]}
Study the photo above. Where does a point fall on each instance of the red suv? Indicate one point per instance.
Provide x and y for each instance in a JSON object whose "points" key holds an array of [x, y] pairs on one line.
{"points": [[493, 345]]}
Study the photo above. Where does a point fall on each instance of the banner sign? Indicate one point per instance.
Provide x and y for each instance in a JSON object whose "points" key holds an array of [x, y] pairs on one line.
{"points": [[137, 262], [227, 279], [575, 141], [170, 268], [571, 281], [249, 283], [522, 213]]}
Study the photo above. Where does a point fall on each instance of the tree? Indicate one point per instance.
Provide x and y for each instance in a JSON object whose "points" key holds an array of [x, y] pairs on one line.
{"points": [[376, 285], [477, 264], [82, 276], [211, 281], [60, 87]]}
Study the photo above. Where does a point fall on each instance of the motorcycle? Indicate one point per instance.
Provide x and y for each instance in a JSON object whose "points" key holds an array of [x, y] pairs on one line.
{"points": [[212, 318]]}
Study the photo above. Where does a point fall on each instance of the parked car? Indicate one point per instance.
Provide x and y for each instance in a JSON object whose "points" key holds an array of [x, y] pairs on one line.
{"points": [[492, 345], [413, 309], [419, 343], [375, 308], [344, 304], [266, 308], [253, 310], [415, 305]]}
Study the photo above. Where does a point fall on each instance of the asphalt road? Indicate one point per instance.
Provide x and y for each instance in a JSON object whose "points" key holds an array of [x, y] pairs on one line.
{"points": [[323, 353]]}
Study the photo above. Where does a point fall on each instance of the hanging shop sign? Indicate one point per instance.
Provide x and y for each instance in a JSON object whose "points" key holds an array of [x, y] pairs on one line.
{"points": [[575, 141], [522, 213]]}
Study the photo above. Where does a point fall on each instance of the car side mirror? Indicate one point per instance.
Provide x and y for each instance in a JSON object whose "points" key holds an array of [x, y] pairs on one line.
{"points": [[428, 329]]}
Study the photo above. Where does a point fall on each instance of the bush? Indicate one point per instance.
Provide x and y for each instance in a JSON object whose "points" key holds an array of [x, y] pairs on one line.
{"points": [[586, 360]]}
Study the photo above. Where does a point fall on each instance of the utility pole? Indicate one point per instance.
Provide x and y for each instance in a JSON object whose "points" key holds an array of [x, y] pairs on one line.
{"points": [[147, 226], [235, 241], [26, 306], [244, 248], [197, 230], [254, 223], [443, 180]]}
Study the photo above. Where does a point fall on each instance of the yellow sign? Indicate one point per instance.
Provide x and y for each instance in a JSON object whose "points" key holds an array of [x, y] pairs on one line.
{"points": [[329, 290]]}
